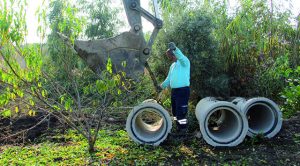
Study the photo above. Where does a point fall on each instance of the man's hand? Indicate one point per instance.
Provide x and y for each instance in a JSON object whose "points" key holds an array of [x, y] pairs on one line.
{"points": [[172, 46]]}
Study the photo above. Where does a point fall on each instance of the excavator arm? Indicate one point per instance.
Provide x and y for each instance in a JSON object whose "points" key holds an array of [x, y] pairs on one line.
{"points": [[134, 13], [128, 48]]}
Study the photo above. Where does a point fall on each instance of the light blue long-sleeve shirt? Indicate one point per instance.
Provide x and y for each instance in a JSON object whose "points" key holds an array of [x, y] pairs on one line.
{"points": [[179, 72]]}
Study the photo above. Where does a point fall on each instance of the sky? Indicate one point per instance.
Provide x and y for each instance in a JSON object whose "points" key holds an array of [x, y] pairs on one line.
{"points": [[32, 20]]}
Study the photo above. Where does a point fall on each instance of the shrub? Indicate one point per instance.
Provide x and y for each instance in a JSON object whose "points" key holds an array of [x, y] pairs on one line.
{"points": [[268, 80], [192, 34], [291, 93]]}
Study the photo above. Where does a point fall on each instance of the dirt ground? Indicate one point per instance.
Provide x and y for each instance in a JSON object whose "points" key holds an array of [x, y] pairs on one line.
{"points": [[283, 149], [20, 125]]}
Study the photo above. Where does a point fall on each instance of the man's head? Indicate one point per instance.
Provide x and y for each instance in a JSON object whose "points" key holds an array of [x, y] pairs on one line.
{"points": [[171, 55]]}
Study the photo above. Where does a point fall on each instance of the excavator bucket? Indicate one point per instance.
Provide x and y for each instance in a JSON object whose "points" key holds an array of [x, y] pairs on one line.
{"points": [[128, 51], [124, 51]]}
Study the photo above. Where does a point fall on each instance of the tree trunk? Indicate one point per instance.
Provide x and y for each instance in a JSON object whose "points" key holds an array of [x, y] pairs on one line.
{"points": [[92, 142]]}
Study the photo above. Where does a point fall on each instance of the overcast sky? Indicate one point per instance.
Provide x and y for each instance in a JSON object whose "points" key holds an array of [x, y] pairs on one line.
{"points": [[32, 21]]}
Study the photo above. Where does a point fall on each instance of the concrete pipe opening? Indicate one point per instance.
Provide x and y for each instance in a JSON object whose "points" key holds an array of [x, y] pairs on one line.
{"points": [[261, 118], [149, 123], [223, 125], [264, 116]]}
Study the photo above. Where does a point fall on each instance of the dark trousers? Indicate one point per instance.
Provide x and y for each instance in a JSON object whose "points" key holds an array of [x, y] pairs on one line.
{"points": [[179, 101]]}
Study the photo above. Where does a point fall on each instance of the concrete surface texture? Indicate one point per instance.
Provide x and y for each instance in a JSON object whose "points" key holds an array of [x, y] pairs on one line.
{"points": [[264, 115], [221, 124], [148, 123]]}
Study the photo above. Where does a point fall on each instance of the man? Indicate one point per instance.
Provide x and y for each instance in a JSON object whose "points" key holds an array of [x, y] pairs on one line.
{"points": [[178, 80]]}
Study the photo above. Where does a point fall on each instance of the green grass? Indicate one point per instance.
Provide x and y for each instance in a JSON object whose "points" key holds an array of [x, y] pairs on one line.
{"points": [[297, 138], [114, 148]]}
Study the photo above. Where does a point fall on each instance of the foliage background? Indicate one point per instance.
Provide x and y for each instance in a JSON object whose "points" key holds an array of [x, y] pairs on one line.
{"points": [[247, 53], [253, 52]]}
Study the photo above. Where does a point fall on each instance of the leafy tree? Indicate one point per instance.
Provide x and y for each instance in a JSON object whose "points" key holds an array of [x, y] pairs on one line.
{"points": [[102, 19], [63, 18], [32, 88], [256, 35], [11, 35]]}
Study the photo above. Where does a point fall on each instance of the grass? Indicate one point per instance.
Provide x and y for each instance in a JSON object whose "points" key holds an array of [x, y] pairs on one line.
{"points": [[112, 147], [297, 138], [116, 148]]}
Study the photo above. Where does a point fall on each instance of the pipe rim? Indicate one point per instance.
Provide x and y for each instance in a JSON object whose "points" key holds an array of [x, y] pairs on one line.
{"points": [[237, 134], [160, 136], [275, 108], [271, 127]]}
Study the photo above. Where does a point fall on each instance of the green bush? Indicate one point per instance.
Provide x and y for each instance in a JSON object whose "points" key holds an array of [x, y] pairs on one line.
{"points": [[268, 80], [252, 36], [193, 35], [291, 93]]}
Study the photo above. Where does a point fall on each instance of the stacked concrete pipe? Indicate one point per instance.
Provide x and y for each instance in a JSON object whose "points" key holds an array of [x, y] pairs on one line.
{"points": [[231, 125], [143, 132], [264, 116]]}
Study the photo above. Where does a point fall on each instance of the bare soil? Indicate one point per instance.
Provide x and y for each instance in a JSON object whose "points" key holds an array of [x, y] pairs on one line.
{"points": [[14, 131], [283, 149]]}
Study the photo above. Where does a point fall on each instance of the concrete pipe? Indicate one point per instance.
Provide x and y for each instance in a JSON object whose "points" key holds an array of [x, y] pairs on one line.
{"points": [[148, 123], [264, 116], [221, 124]]}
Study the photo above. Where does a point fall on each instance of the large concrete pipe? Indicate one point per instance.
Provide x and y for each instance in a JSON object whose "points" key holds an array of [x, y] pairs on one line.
{"points": [[148, 123], [264, 116], [221, 124]]}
